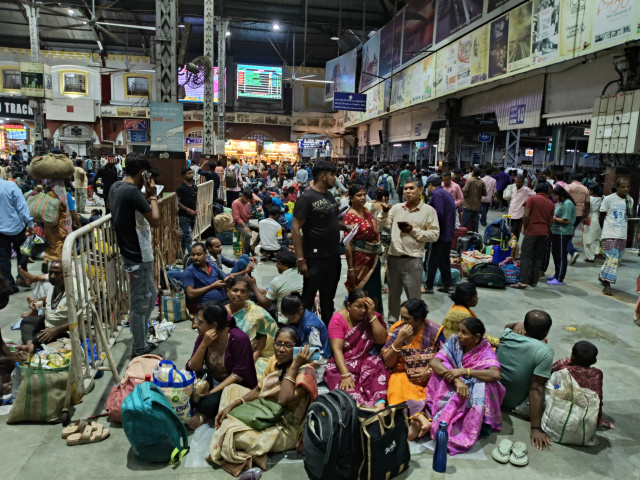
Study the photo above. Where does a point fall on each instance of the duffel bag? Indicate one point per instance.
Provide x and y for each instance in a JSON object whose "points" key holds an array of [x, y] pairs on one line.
{"points": [[511, 272], [488, 275], [44, 208], [51, 166]]}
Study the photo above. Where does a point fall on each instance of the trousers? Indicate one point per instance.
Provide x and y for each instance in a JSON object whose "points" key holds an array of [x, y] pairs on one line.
{"points": [[8, 243], [570, 248], [404, 273], [142, 302], [439, 259], [559, 250], [186, 225], [81, 199], [532, 251], [470, 215], [322, 277]]}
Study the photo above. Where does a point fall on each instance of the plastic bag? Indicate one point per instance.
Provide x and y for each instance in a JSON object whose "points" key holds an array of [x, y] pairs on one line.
{"points": [[27, 246], [200, 386], [177, 386]]}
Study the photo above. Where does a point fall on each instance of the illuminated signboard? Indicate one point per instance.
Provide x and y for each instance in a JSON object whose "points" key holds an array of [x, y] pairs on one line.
{"points": [[195, 93], [528, 152], [16, 132], [241, 147], [286, 149], [260, 82]]}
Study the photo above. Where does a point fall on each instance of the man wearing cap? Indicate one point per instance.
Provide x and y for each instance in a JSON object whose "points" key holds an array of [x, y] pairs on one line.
{"points": [[438, 257], [187, 194]]}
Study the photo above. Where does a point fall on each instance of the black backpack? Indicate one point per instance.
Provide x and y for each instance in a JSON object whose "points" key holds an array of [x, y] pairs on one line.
{"points": [[488, 275], [331, 439]]}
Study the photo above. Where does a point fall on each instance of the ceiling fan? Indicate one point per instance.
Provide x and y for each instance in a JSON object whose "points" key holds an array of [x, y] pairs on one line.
{"points": [[306, 78], [128, 66]]}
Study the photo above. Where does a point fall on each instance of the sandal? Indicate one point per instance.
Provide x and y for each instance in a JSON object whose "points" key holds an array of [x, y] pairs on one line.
{"points": [[89, 435], [607, 291], [519, 456], [77, 427], [446, 290], [520, 286], [428, 291], [501, 453]]}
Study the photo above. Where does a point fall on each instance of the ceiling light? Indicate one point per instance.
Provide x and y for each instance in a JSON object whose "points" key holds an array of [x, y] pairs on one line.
{"points": [[70, 12], [228, 33], [335, 39], [397, 144], [276, 26]]}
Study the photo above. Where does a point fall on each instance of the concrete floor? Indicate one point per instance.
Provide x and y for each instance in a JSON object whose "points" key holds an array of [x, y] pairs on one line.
{"points": [[34, 451]]}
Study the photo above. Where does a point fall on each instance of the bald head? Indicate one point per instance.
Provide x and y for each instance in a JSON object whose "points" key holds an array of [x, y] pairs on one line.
{"points": [[537, 324]]}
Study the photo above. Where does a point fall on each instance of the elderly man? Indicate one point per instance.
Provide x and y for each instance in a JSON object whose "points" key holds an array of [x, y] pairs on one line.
{"points": [[413, 225], [438, 258]]}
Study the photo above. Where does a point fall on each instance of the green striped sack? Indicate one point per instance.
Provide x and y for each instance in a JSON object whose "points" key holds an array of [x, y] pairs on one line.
{"points": [[43, 208]]}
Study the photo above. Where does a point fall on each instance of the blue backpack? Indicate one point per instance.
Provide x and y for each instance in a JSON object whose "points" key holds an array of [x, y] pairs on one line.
{"points": [[153, 429]]}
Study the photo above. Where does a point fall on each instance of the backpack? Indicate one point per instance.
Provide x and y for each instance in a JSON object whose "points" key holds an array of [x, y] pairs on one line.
{"points": [[332, 443], [488, 275], [133, 375], [495, 232], [230, 177], [153, 429], [383, 182]]}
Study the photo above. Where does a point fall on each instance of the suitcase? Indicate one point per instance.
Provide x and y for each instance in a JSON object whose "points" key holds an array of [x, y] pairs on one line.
{"points": [[458, 233], [472, 241]]}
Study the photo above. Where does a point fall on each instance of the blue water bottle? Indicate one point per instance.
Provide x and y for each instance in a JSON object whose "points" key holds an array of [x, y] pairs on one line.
{"points": [[440, 454]]}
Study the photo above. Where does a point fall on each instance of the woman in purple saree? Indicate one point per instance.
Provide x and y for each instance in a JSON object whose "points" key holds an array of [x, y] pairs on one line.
{"points": [[464, 389]]}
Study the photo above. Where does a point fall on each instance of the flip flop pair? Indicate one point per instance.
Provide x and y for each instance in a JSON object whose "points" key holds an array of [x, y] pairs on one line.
{"points": [[509, 452], [83, 432]]}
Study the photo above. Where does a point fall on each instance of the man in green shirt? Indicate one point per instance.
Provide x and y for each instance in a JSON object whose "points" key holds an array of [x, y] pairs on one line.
{"points": [[404, 174], [526, 362]]}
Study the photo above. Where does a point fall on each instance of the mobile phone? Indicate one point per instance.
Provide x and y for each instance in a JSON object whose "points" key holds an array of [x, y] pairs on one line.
{"points": [[314, 357], [145, 176], [402, 224]]}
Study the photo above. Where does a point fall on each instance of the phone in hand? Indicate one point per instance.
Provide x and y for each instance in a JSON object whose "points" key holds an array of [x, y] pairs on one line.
{"points": [[402, 225], [315, 356], [145, 177]]}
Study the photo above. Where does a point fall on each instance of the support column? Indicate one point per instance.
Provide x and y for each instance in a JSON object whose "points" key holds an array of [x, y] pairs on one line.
{"points": [[222, 64], [38, 108], [511, 148], [167, 50], [208, 131], [385, 151]]}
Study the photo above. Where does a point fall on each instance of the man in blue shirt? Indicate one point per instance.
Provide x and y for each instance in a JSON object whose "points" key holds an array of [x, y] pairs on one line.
{"points": [[502, 182], [202, 281], [15, 222], [438, 257]]}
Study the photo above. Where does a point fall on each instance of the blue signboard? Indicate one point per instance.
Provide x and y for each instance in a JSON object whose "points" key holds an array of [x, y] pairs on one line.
{"points": [[484, 137], [310, 143], [139, 137], [167, 127], [354, 102], [516, 115], [193, 141]]}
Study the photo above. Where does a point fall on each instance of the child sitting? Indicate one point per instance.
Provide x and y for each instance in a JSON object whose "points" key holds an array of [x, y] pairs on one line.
{"points": [[583, 355]]}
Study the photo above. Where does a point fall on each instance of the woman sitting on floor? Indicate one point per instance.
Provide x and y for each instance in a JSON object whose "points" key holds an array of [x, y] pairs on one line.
{"points": [[253, 320], [464, 297], [464, 389], [287, 388], [225, 350], [353, 332], [412, 342]]}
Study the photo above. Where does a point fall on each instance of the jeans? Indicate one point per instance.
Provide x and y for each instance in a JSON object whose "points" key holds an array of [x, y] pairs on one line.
{"points": [[186, 226], [439, 259], [532, 252], [559, 245], [142, 302], [323, 276], [7, 243], [241, 264], [404, 273], [470, 215], [570, 248], [483, 213], [400, 196]]}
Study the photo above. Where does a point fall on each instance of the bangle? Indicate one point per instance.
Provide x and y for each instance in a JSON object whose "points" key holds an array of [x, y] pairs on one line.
{"points": [[351, 270], [346, 375], [301, 260], [242, 400], [397, 350], [153, 198], [287, 377], [468, 373], [373, 319]]}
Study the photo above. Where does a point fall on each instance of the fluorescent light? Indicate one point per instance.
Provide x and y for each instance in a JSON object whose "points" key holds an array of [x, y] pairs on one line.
{"points": [[228, 33], [397, 144], [334, 38], [100, 45], [276, 26], [70, 12]]}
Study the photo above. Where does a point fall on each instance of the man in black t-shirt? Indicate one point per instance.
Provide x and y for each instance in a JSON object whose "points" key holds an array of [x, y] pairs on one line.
{"points": [[133, 217], [315, 215], [187, 194]]}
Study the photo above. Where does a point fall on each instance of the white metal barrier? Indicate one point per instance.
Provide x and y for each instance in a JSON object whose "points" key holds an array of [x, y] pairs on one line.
{"points": [[205, 208], [94, 277]]}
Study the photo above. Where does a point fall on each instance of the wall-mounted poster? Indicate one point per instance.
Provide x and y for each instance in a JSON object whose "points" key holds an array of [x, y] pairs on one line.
{"points": [[498, 45], [419, 19], [423, 79], [447, 68], [167, 127], [454, 15], [386, 51], [342, 72], [397, 90], [331, 74], [35, 80], [480, 54], [520, 37], [575, 26], [545, 29], [613, 19], [370, 62]]}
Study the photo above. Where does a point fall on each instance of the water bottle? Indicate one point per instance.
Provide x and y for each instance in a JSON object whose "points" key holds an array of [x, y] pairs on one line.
{"points": [[16, 379], [440, 454]]}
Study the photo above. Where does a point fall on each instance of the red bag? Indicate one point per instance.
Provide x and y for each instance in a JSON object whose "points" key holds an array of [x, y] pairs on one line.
{"points": [[133, 375], [458, 233]]}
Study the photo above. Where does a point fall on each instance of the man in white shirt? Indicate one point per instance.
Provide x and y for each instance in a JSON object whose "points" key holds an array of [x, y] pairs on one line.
{"points": [[614, 212], [519, 196], [490, 183], [270, 232]]}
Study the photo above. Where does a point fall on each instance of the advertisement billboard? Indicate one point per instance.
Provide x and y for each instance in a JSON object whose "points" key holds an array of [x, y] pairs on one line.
{"points": [[167, 127]]}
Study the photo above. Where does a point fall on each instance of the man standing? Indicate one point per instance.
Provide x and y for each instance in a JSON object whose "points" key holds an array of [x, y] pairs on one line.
{"points": [[316, 235], [537, 221], [519, 197], [458, 178], [232, 181], [438, 258], [109, 176], [212, 175], [187, 194], [241, 213], [453, 188], [404, 174], [302, 177], [490, 183], [413, 224], [88, 165], [473, 192], [503, 180], [372, 181], [80, 186], [133, 217], [614, 212], [581, 197], [15, 222]]}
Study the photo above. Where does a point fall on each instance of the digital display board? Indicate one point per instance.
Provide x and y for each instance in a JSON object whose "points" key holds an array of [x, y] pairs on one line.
{"points": [[16, 132], [259, 82], [195, 94]]}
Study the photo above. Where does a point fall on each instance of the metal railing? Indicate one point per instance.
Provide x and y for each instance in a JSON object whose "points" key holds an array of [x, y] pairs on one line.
{"points": [[205, 208], [165, 239]]}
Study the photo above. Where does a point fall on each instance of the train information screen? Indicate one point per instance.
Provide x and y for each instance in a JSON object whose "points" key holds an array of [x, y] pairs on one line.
{"points": [[259, 82]]}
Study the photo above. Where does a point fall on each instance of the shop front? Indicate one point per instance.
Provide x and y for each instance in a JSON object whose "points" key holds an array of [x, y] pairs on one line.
{"points": [[280, 151]]}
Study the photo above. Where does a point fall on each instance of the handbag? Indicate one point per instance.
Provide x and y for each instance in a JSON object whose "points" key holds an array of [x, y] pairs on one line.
{"points": [[51, 166], [258, 414], [174, 307], [44, 208], [416, 360], [41, 393]]}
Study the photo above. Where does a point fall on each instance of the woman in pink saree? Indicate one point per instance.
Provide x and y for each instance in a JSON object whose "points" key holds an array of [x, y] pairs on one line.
{"points": [[353, 332], [464, 389]]}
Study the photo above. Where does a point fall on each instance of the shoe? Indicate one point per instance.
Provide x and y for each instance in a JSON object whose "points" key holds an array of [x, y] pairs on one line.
{"points": [[554, 281], [588, 261], [14, 290], [574, 257], [551, 278]]}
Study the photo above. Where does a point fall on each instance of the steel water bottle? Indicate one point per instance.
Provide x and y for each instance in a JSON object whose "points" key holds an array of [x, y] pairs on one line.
{"points": [[440, 454]]}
